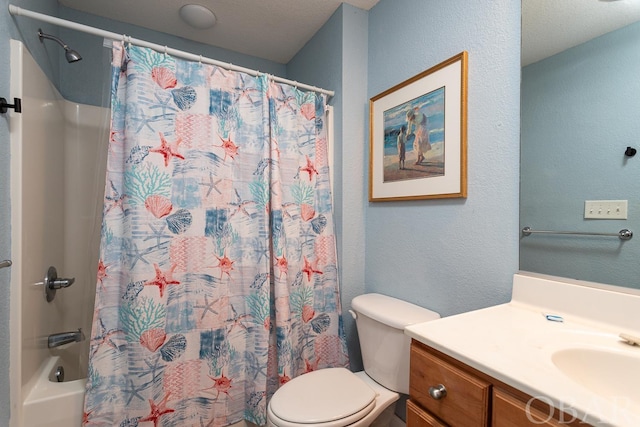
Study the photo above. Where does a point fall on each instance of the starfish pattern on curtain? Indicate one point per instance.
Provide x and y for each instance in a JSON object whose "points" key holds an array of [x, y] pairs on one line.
{"points": [[217, 279]]}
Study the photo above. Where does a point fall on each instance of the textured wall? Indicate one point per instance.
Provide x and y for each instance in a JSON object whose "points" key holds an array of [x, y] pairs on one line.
{"points": [[573, 143], [5, 227], [459, 254]]}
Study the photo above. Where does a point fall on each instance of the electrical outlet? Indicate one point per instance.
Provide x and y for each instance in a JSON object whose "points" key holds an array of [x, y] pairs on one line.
{"points": [[605, 209]]}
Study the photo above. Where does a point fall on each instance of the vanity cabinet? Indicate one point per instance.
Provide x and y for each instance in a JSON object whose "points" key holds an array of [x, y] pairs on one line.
{"points": [[445, 392]]}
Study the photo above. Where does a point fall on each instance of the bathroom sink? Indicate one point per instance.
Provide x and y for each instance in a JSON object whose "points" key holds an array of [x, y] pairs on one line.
{"points": [[611, 373]]}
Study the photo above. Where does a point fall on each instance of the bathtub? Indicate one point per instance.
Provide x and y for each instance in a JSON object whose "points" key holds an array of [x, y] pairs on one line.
{"points": [[50, 403]]}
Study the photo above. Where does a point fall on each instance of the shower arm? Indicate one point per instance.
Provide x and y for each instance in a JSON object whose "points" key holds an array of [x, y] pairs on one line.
{"points": [[70, 54], [42, 36]]}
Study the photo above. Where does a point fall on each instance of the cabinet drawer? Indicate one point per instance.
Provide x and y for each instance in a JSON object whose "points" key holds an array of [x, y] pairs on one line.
{"points": [[509, 411], [466, 403], [417, 417]]}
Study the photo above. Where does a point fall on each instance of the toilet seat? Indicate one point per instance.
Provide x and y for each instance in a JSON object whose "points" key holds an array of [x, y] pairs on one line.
{"points": [[333, 397]]}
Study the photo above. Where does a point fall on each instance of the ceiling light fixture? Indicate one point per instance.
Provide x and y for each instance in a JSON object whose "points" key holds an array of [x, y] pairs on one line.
{"points": [[197, 16]]}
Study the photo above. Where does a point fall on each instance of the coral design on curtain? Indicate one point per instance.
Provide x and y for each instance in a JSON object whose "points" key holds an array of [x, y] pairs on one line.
{"points": [[217, 279]]}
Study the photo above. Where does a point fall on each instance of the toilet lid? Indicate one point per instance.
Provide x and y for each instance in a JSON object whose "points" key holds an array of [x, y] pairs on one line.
{"points": [[322, 396]]}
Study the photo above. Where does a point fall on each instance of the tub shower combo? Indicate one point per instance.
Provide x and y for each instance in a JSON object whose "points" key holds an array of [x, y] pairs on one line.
{"points": [[55, 228], [56, 220]]}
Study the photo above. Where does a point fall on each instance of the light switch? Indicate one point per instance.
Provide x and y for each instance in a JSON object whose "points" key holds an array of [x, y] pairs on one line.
{"points": [[605, 209]]}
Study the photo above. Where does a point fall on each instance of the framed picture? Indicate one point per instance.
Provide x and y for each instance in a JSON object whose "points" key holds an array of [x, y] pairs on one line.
{"points": [[418, 136]]}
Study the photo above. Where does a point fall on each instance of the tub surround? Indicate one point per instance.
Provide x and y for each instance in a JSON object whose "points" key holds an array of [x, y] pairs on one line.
{"points": [[515, 343], [58, 158]]}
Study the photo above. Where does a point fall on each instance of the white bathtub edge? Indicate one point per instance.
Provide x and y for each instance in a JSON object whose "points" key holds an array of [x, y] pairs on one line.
{"points": [[50, 404]]}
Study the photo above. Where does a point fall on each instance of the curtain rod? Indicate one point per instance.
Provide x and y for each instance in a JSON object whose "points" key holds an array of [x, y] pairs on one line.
{"points": [[18, 11]]}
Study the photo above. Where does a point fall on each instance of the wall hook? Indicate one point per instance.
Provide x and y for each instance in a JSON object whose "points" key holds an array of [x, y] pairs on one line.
{"points": [[630, 152], [17, 105]]}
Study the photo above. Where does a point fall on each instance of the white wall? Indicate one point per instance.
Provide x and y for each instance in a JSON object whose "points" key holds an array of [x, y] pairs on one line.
{"points": [[37, 183], [86, 141]]}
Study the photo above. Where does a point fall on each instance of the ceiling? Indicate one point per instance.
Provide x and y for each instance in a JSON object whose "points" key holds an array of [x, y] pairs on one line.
{"points": [[277, 29], [551, 26], [271, 29]]}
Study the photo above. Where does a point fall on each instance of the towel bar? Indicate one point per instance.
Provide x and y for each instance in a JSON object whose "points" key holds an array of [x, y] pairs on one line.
{"points": [[624, 234]]}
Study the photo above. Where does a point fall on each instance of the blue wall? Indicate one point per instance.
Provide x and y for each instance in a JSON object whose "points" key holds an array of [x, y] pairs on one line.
{"points": [[448, 255], [452, 255], [562, 122]]}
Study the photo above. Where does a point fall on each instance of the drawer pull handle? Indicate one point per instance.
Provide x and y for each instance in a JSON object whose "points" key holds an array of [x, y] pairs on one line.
{"points": [[438, 392]]}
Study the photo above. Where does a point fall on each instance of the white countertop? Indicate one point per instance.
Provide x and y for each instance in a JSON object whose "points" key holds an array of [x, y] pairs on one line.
{"points": [[514, 342]]}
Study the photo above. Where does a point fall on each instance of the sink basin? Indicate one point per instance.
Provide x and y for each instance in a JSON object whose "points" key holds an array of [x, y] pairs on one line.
{"points": [[613, 374]]}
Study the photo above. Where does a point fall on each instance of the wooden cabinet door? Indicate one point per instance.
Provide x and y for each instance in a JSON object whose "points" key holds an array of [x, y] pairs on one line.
{"points": [[466, 403], [509, 411]]}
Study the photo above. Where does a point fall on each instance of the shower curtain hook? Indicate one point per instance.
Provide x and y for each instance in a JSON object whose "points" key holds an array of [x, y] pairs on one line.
{"points": [[125, 47], [200, 60], [165, 51]]}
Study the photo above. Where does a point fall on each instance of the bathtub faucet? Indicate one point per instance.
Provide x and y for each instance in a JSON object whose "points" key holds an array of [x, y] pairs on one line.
{"points": [[56, 340]]}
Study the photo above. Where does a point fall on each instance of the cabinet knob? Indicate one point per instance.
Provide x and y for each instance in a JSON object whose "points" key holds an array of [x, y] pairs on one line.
{"points": [[438, 392]]}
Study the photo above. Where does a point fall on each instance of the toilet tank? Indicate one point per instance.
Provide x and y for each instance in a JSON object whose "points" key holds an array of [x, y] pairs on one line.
{"points": [[380, 321]]}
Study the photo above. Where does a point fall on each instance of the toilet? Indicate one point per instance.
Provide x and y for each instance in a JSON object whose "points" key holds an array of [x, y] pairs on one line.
{"points": [[337, 397]]}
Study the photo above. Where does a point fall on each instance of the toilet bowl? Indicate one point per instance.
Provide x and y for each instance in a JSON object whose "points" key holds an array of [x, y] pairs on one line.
{"points": [[337, 397]]}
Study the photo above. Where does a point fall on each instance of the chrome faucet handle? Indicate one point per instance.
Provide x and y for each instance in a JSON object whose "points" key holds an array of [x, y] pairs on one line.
{"points": [[53, 283], [61, 283]]}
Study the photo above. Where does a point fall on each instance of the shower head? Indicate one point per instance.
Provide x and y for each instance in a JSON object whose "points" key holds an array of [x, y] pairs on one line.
{"points": [[70, 54]]}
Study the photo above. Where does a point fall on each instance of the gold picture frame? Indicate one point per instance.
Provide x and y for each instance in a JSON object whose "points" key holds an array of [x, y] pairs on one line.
{"points": [[418, 136]]}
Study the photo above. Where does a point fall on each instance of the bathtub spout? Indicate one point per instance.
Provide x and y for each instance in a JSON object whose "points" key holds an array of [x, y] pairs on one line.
{"points": [[56, 340]]}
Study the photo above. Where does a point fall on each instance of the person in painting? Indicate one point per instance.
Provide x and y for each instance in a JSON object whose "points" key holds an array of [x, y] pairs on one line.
{"points": [[418, 120], [402, 142]]}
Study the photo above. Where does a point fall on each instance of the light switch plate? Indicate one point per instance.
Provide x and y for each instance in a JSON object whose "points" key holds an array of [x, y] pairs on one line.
{"points": [[605, 209]]}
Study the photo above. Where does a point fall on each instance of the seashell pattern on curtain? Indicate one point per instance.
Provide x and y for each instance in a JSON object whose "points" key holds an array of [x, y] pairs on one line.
{"points": [[217, 279]]}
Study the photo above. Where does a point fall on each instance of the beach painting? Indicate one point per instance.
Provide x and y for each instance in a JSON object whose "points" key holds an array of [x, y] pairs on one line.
{"points": [[414, 138], [418, 136]]}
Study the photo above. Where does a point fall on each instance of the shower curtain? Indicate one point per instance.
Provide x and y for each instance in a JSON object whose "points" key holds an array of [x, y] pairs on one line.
{"points": [[217, 278]]}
